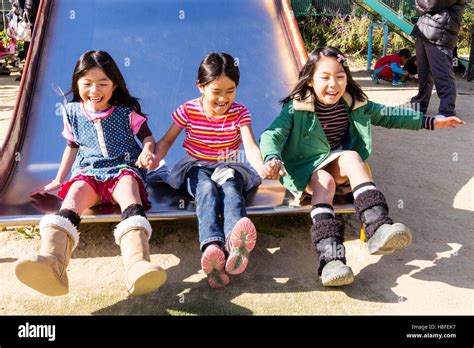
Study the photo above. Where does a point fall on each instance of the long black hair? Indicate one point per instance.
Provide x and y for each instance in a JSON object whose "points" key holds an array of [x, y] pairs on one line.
{"points": [[103, 60], [216, 64], [307, 72]]}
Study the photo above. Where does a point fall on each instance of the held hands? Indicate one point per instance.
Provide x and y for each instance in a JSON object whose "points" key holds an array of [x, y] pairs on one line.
{"points": [[273, 169], [52, 186], [448, 122], [146, 160]]}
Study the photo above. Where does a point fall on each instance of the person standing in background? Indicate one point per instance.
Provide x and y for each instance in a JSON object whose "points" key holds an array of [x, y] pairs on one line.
{"points": [[436, 35], [26, 9]]}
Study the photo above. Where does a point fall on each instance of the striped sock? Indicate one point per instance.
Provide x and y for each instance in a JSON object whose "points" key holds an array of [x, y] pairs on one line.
{"points": [[322, 211], [366, 186]]}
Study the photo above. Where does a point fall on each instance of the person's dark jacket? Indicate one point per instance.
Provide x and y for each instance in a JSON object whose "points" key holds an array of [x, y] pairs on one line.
{"points": [[440, 21]]}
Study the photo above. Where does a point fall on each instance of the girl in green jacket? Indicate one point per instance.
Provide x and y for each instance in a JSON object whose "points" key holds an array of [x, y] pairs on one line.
{"points": [[320, 140]]}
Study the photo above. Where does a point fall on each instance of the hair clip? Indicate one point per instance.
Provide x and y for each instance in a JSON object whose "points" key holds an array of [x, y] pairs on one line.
{"points": [[341, 59]]}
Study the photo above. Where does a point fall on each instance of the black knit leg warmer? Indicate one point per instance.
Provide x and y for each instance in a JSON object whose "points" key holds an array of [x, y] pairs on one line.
{"points": [[71, 215], [133, 210], [372, 210], [327, 236]]}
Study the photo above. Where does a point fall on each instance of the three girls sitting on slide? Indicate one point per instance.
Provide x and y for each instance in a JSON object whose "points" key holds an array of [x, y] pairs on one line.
{"points": [[320, 139]]}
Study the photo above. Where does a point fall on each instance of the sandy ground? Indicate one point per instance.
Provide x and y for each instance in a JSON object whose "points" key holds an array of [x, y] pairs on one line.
{"points": [[8, 93], [428, 180]]}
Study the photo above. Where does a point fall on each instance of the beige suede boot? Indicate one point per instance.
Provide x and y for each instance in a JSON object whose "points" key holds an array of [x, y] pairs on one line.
{"points": [[141, 276], [46, 272]]}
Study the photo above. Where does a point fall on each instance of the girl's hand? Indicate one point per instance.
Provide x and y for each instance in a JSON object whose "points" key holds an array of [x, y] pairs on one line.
{"points": [[52, 186], [448, 122], [261, 173], [146, 160], [273, 169]]}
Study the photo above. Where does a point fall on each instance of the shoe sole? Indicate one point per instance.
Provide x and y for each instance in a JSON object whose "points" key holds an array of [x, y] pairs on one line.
{"points": [[40, 277], [344, 276], [148, 282], [399, 238], [212, 264], [241, 242]]}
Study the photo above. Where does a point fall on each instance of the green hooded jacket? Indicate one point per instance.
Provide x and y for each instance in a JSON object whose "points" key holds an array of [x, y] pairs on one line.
{"points": [[297, 137]]}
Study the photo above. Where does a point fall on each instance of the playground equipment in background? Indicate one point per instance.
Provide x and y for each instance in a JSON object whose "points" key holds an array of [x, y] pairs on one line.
{"points": [[267, 44], [384, 16], [387, 18], [329, 8]]}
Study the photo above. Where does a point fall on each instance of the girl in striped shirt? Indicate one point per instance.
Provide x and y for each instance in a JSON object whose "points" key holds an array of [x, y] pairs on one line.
{"points": [[323, 134], [215, 127]]}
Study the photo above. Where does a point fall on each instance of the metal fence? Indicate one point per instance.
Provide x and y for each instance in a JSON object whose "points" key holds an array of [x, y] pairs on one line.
{"points": [[325, 7], [405, 8], [5, 6]]}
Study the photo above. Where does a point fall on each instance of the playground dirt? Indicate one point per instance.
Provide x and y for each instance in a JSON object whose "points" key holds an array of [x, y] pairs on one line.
{"points": [[427, 177]]}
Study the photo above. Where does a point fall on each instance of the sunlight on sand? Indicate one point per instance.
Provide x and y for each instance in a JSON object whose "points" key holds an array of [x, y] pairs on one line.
{"points": [[423, 264], [273, 250], [464, 198]]}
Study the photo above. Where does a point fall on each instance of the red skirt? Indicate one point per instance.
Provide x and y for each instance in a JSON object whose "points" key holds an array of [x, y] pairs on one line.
{"points": [[105, 188]]}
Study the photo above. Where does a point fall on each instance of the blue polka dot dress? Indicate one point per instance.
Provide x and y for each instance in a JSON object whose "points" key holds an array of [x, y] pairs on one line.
{"points": [[107, 146]]}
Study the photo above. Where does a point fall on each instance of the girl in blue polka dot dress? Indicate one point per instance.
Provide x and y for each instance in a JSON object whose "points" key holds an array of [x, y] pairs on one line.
{"points": [[101, 125]]}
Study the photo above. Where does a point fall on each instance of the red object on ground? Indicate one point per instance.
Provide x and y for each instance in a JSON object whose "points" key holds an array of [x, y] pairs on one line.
{"points": [[387, 73]]}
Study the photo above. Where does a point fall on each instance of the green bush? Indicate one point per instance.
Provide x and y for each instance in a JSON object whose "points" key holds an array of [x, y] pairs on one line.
{"points": [[3, 39], [348, 33], [465, 33]]}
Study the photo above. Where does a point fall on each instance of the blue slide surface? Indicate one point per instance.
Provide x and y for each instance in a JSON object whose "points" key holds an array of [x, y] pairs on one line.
{"points": [[158, 46]]}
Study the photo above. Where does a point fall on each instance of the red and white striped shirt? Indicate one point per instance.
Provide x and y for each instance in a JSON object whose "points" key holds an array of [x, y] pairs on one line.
{"points": [[211, 138]]}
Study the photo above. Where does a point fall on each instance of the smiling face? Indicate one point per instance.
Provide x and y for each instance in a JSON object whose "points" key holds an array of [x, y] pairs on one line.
{"points": [[218, 95], [329, 80], [95, 89]]}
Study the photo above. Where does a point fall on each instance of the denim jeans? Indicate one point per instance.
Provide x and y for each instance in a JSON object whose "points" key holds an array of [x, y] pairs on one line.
{"points": [[218, 208]]}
